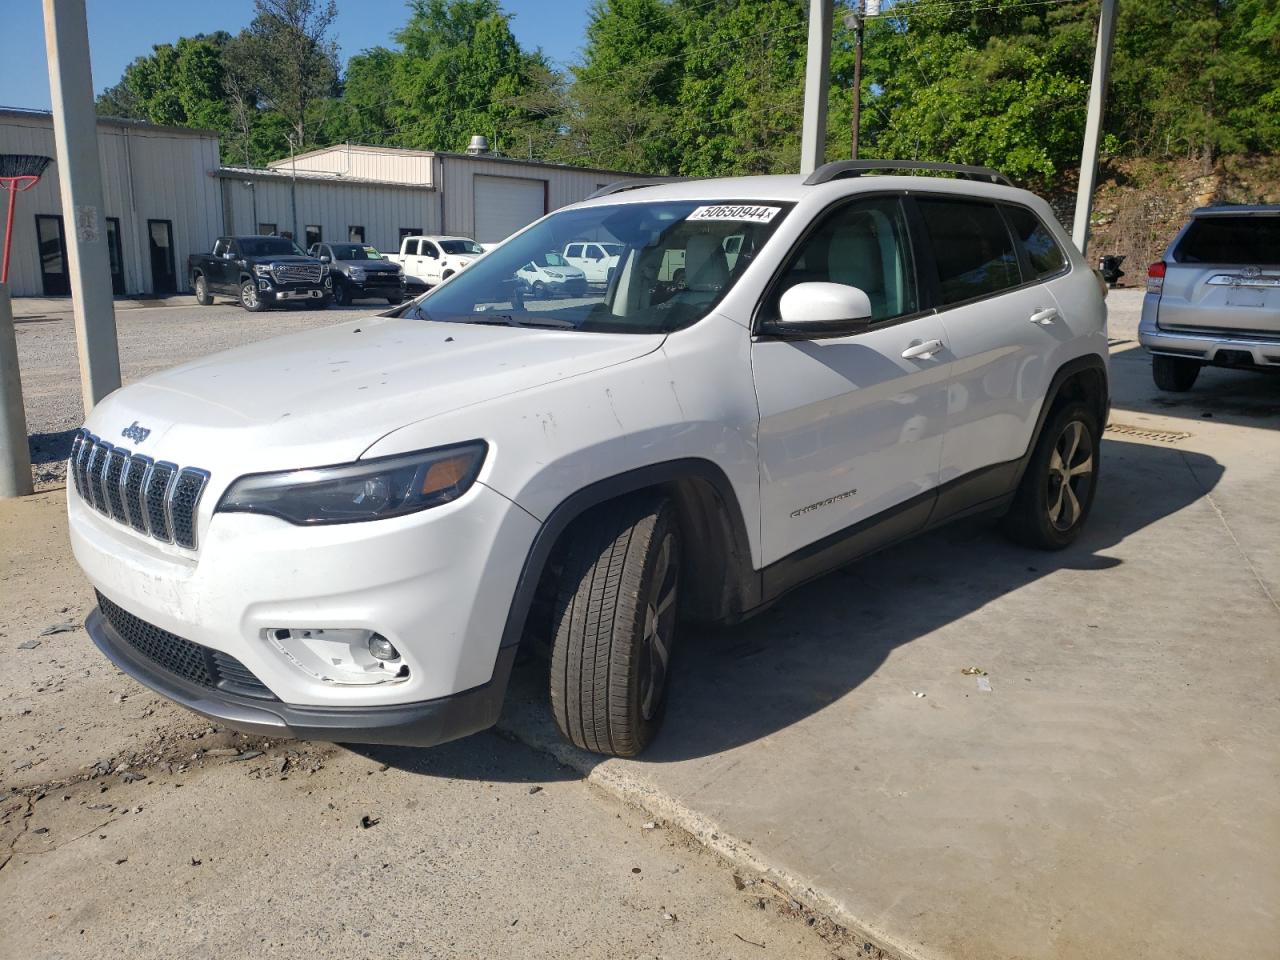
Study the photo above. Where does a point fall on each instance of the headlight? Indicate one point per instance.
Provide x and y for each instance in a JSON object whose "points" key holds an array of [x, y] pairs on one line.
{"points": [[365, 490], [262, 269], [358, 274], [558, 276]]}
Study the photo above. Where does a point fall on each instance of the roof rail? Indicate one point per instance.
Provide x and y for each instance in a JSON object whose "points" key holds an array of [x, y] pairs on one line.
{"points": [[634, 184], [841, 169]]}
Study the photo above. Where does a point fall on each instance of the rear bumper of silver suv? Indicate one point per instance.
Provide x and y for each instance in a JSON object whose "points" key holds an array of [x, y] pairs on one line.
{"points": [[1209, 346]]}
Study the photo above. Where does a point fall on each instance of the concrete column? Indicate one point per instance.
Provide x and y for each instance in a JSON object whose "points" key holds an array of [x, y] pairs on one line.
{"points": [[817, 77], [75, 131], [15, 457], [1093, 124]]}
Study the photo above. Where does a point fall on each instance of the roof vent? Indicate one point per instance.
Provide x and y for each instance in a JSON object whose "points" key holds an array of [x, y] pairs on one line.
{"points": [[478, 146]]}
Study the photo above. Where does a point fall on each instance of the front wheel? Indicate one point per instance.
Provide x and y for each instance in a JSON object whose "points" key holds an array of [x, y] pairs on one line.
{"points": [[614, 624], [341, 295], [249, 298], [1056, 493], [1175, 374], [202, 292], [396, 300]]}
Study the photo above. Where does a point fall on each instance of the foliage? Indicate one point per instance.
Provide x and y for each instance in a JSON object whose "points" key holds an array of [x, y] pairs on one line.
{"points": [[702, 87]]}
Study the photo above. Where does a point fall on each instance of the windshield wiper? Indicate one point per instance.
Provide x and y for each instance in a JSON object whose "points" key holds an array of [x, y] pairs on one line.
{"points": [[502, 320]]}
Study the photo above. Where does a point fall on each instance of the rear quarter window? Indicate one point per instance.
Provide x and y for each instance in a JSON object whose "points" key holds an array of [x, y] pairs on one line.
{"points": [[1226, 239], [1043, 253]]}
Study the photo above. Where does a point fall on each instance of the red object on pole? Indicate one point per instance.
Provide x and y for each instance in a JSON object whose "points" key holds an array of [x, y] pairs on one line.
{"points": [[13, 185]]}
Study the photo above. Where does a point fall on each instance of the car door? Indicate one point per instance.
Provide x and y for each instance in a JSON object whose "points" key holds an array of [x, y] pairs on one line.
{"points": [[851, 427], [1001, 328], [573, 254], [226, 276], [430, 258]]}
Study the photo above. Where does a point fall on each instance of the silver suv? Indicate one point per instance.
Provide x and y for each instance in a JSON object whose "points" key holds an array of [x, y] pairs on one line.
{"points": [[1215, 296]]}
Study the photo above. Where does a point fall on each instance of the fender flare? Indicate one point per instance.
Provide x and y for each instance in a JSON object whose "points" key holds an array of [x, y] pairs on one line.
{"points": [[743, 579], [1087, 362]]}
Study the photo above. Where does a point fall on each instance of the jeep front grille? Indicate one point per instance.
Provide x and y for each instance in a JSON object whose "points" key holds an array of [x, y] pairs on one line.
{"points": [[157, 499], [296, 272]]}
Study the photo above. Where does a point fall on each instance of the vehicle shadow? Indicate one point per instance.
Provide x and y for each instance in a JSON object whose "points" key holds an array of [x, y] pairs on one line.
{"points": [[735, 685], [50, 447], [1248, 398]]}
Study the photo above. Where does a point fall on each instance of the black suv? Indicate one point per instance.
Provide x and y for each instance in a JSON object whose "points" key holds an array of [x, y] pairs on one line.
{"points": [[359, 271]]}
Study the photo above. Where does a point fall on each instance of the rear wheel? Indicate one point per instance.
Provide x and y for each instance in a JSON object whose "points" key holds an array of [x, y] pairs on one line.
{"points": [[614, 623], [202, 291], [1176, 374], [249, 298], [1056, 493]]}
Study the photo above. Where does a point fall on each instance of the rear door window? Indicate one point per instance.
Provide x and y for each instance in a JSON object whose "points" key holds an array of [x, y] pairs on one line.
{"points": [[1230, 240], [971, 246], [1043, 253]]}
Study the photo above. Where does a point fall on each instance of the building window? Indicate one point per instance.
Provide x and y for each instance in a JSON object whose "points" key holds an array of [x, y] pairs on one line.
{"points": [[267, 229], [410, 232], [355, 234], [314, 235]]}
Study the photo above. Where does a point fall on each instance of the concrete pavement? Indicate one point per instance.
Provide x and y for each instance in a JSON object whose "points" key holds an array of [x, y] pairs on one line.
{"points": [[1114, 793]]}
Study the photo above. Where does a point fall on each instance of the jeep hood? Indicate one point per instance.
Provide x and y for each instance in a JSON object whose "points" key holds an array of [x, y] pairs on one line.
{"points": [[325, 396]]}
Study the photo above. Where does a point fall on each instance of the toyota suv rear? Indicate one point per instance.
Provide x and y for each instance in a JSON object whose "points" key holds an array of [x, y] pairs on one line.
{"points": [[1215, 296]]}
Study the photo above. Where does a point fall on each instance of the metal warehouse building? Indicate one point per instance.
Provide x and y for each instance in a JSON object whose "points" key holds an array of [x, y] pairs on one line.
{"points": [[166, 196]]}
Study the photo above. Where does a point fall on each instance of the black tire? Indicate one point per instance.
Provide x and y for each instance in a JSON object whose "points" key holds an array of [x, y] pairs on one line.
{"points": [[249, 298], [613, 625], [202, 291], [396, 300], [1052, 504], [341, 295], [539, 290], [1176, 374]]}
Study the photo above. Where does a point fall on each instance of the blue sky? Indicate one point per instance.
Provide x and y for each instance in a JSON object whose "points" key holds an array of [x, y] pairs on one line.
{"points": [[120, 30]]}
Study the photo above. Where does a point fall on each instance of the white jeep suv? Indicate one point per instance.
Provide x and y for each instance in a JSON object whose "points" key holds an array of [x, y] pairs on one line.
{"points": [[345, 534]]}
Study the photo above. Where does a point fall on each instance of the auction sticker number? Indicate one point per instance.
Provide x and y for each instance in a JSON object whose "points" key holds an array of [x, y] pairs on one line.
{"points": [[736, 212]]}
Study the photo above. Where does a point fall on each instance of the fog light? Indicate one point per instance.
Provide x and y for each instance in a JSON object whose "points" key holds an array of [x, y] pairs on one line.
{"points": [[339, 655], [382, 648]]}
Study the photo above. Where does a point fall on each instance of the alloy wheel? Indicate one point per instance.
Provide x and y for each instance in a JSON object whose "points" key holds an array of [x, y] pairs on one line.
{"points": [[659, 628], [1071, 467]]}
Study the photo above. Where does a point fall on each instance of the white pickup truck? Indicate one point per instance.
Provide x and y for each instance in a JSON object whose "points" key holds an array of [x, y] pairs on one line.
{"points": [[429, 260]]}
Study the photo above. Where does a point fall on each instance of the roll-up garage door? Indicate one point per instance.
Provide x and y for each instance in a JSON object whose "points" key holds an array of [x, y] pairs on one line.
{"points": [[505, 204]]}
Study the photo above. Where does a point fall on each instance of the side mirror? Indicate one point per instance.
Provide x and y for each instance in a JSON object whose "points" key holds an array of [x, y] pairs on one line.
{"points": [[812, 311], [324, 258]]}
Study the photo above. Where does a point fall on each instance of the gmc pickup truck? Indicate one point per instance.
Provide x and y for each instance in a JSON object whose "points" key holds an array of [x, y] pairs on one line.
{"points": [[259, 271]]}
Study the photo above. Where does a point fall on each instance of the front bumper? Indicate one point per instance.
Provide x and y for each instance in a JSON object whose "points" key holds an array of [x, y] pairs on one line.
{"points": [[437, 584], [1204, 345], [267, 292], [420, 724]]}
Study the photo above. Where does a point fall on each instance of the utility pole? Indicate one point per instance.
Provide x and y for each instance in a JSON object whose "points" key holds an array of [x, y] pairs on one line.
{"points": [[75, 132], [817, 75], [856, 21], [15, 456], [1093, 125], [293, 187]]}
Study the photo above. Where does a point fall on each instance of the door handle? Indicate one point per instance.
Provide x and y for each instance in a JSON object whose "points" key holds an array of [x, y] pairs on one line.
{"points": [[1044, 317], [922, 351]]}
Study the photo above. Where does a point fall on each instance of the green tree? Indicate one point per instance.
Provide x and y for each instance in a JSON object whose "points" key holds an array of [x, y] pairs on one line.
{"points": [[461, 72]]}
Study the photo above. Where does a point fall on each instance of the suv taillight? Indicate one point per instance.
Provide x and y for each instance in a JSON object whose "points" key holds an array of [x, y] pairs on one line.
{"points": [[1155, 277]]}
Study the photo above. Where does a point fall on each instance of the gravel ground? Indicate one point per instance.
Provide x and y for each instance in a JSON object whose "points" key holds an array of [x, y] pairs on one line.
{"points": [[151, 339]]}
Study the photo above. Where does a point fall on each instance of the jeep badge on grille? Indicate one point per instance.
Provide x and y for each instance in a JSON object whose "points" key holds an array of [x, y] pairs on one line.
{"points": [[135, 432]]}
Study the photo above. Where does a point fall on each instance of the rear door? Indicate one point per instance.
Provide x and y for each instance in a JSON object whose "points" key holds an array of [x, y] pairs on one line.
{"points": [[1223, 274], [1001, 328]]}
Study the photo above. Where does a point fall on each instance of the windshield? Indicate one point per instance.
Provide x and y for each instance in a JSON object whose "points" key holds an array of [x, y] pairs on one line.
{"points": [[672, 268], [351, 251], [269, 247], [461, 246]]}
